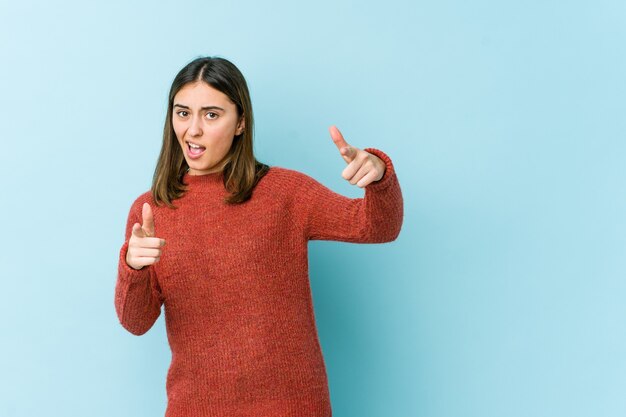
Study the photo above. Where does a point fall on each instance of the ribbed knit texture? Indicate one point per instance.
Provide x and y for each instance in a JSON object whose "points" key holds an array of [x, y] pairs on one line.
{"points": [[234, 281]]}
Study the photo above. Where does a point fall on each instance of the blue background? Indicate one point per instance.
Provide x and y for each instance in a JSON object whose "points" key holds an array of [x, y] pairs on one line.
{"points": [[504, 293]]}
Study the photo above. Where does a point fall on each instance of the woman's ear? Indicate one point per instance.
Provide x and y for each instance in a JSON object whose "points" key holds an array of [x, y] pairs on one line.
{"points": [[240, 126]]}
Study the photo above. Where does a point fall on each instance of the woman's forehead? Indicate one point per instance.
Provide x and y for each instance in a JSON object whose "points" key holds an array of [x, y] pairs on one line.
{"points": [[200, 94]]}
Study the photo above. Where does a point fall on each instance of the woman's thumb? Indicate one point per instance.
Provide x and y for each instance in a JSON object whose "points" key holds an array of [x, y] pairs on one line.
{"points": [[138, 231]]}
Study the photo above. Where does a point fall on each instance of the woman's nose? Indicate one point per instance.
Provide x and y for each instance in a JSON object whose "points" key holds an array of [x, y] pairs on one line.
{"points": [[195, 129]]}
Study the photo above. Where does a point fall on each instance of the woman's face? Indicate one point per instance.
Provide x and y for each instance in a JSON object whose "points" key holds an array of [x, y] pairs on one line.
{"points": [[206, 117]]}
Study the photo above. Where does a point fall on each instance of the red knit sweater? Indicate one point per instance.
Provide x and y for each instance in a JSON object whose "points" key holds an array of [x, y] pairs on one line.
{"points": [[235, 285]]}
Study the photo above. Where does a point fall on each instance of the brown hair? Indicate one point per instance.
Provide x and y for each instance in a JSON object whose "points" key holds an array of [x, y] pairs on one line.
{"points": [[241, 169]]}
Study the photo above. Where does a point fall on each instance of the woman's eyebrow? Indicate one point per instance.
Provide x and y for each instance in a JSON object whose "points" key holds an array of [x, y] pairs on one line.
{"points": [[202, 108]]}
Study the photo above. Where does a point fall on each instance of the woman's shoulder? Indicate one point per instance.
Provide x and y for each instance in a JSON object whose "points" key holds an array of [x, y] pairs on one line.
{"points": [[287, 180], [286, 177], [145, 197]]}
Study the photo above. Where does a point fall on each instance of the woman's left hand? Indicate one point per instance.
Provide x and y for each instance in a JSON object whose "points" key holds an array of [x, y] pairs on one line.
{"points": [[363, 167]]}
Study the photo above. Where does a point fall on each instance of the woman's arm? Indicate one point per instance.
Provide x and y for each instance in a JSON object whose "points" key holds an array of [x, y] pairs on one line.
{"points": [[138, 298], [375, 218]]}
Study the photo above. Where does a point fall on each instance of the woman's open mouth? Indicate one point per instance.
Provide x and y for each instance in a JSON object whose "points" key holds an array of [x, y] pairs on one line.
{"points": [[195, 151]]}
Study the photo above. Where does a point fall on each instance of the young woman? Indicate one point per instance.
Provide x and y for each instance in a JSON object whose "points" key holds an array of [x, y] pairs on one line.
{"points": [[220, 239]]}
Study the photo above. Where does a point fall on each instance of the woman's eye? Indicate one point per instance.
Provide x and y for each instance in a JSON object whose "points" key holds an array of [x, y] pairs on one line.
{"points": [[211, 115], [180, 113]]}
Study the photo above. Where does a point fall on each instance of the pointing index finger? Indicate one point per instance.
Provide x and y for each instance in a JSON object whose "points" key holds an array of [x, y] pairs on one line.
{"points": [[337, 137], [148, 220], [348, 153]]}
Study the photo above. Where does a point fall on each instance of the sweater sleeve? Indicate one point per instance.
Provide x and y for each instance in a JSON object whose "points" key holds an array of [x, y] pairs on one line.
{"points": [[375, 218], [138, 298]]}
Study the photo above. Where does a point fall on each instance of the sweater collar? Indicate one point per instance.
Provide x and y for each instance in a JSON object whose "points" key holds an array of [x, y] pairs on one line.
{"points": [[212, 178]]}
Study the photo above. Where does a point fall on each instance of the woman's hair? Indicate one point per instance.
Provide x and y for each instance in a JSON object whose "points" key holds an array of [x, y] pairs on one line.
{"points": [[241, 169]]}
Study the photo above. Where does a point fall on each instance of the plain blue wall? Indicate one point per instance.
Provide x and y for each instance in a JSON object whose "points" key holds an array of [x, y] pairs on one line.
{"points": [[504, 293]]}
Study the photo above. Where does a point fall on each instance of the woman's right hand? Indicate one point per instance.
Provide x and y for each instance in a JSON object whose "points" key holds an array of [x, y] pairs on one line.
{"points": [[143, 247]]}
